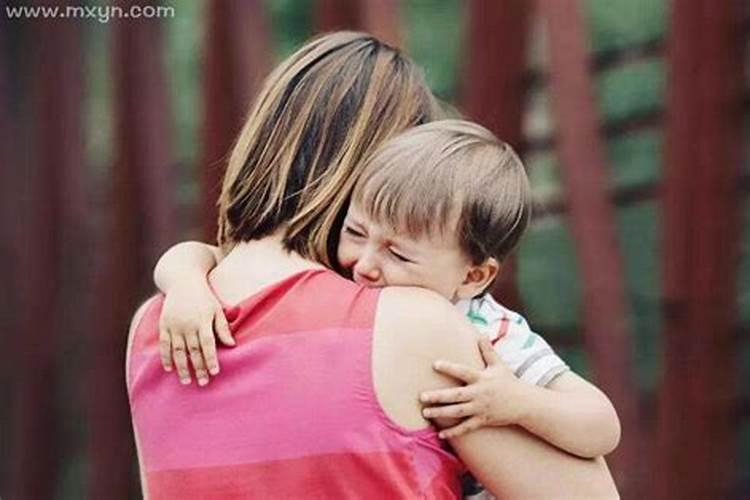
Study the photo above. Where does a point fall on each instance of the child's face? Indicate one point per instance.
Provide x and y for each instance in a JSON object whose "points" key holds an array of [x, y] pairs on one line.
{"points": [[376, 256]]}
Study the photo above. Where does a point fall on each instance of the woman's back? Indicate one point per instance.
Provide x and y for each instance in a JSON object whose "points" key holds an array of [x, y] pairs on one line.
{"points": [[294, 412]]}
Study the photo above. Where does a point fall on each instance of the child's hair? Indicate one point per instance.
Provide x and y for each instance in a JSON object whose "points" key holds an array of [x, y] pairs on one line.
{"points": [[300, 152], [449, 176]]}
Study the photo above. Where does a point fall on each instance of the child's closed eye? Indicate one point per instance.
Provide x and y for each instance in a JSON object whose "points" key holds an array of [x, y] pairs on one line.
{"points": [[399, 256], [353, 232]]}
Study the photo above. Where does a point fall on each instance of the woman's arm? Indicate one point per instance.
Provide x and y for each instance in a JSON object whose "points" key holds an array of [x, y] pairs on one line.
{"points": [[513, 464], [411, 330]]}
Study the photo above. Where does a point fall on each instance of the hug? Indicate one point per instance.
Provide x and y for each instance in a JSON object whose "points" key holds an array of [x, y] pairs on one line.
{"points": [[360, 354]]}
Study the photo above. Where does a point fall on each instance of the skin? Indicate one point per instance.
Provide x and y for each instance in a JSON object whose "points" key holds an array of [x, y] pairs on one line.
{"points": [[569, 413], [377, 256], [412, 327]]}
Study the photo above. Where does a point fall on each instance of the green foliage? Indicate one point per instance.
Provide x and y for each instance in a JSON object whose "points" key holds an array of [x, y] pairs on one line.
{"points": [[183, 51], [744, 368], [618, 24], [97, 98], [73, 474], [434, 38], [638, 240], [544, 175], [743, 282], [576, 358], [183, 47], [548, 277], [292, 24], [631, 89], [743, 463], [635, 158], [538, 122]]}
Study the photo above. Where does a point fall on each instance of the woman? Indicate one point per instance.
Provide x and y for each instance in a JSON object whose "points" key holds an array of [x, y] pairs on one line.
{"points": [[351, 426]]}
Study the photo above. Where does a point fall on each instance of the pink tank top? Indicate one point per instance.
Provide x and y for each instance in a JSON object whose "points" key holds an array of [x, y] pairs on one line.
{"points": [[293, 413]]}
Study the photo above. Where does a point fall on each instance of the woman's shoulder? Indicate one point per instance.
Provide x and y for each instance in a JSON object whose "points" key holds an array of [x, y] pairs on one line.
{"points": [[414, 328], [424, 316], [147, 315]]}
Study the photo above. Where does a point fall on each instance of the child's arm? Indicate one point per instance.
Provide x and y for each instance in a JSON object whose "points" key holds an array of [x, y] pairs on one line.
{"points": [[191, 312], [569, 413], [588, 423], [192, 259]]}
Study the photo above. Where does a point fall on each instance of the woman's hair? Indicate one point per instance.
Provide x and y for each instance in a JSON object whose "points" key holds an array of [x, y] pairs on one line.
{"points": [[450, 177], [318, 115]]}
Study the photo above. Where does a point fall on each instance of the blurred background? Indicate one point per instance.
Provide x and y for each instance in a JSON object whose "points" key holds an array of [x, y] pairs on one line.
{"points": [[630, 115]]}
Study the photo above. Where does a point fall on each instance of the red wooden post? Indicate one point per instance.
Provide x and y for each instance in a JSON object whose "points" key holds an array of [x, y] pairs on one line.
{"points": [[700, 247], [9, 252], [592, 220], [381, 18], [378, 17], [236, 58], [333, 15], [52, 160], [140, 227], [493, 89]]}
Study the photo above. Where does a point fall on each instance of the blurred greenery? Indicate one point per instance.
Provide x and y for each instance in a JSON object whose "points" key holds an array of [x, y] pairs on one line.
{"points": [[292, 24], [622, 24], [547, 268], [638, 237], [635, 158], [544, 174], [539, 121], [744, 274], [631, 89], [434, 36], [97, 99], [743, 464], [182, 47], [576, 359]]}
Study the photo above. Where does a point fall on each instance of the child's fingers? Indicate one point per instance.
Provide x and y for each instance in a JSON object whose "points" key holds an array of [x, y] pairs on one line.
{"points": [[488, 352], [467, 425], [457, 371], [196, 358], [165, 349], [208, 346], [443, 396], [179, 355], [453, 411], [222, 329]]}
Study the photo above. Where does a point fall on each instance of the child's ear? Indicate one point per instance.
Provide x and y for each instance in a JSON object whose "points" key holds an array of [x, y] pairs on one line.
{"points": [[478, 277]]}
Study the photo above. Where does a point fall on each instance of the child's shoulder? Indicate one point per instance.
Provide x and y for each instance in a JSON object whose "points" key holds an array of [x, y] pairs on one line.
{"points": [[525, 352], [486, 309], [490, 317]]}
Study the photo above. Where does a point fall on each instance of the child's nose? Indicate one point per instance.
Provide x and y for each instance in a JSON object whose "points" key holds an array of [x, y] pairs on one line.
{"points": [[367, 268]]}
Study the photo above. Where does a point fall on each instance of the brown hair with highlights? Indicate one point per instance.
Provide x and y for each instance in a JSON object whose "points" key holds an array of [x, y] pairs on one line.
{"points": [[449, 176], [300, 152]]}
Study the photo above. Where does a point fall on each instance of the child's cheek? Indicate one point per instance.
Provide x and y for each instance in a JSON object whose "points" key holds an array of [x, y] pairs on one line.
{"points": [[346, 254]]}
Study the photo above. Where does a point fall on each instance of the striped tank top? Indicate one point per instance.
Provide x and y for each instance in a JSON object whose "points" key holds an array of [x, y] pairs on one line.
{"points": [[293, 413]]}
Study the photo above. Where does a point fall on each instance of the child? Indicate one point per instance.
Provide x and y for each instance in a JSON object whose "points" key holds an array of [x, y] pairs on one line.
{"points": [[440, 207]]}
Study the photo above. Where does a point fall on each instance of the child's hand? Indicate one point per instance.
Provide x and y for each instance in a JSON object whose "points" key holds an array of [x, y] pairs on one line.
{"points": [[189, 318], [491, 397]]}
